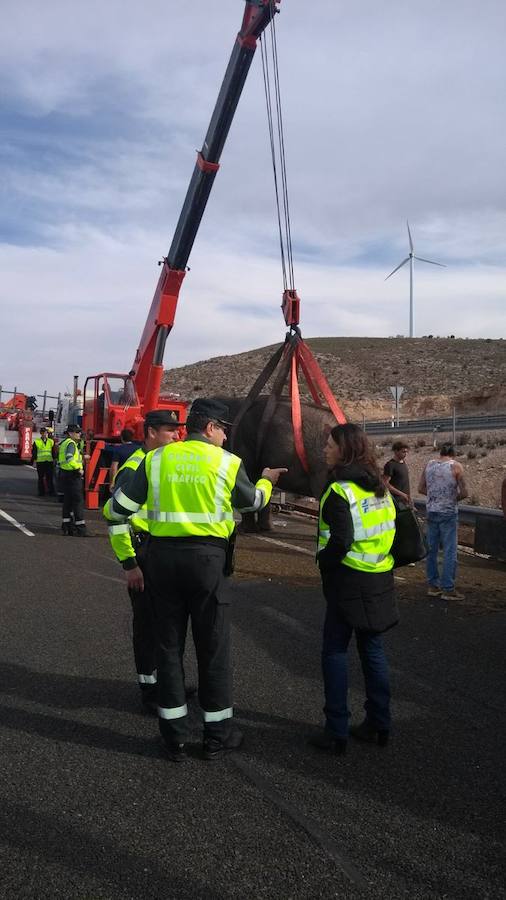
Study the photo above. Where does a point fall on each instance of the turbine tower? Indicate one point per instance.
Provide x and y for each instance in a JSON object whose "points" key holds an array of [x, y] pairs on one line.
{"points": [[411, 258]]}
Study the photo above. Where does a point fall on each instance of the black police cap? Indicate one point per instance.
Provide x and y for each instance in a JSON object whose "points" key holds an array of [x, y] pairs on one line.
{"points": [[157, 417], [212, 409]]}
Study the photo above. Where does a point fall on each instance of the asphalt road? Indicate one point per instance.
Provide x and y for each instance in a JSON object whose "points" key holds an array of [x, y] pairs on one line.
{"points": [[89, 808]]}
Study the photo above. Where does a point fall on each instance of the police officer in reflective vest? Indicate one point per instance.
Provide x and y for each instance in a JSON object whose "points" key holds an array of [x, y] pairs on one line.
{"points": [[356, 530], [129, 542], [42, 456], [189, 490], [70, 462]]}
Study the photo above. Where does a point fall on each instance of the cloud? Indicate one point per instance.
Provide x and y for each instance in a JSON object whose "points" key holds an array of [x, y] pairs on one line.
{"points": [[68, 315], [389, 113]]}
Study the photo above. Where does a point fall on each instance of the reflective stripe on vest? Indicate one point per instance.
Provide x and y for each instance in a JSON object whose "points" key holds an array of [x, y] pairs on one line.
{"points": [[137, 520], [119, 529], [75, 462], [125, 501], [373, 521], [189, 490], [44, 449]]}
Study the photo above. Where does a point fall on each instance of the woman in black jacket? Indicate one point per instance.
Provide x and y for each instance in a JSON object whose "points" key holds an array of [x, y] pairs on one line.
{"points": [[355, 534]]}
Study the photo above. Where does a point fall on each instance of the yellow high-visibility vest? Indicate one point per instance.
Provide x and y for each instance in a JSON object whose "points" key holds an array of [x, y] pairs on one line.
{"points": [[119, 535], [190, 484], [44, 450], [373, 527], [75, 463]]}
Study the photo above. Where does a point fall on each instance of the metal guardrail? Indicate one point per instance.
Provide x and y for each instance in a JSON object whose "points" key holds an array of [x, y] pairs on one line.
{"points": [[438, 424], [468, 515], [489, 524], [489, 528]]}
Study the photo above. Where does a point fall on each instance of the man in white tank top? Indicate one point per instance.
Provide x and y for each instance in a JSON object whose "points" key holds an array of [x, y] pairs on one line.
{"points": [[443, 483]]}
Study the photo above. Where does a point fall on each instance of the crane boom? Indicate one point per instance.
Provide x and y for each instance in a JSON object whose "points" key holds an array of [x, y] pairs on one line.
{"points": [[111, 401], [148, 364]]}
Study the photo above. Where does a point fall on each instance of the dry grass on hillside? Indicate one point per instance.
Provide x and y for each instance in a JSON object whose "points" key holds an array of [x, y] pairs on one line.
{"points": [[435, 373], [482, 455]]}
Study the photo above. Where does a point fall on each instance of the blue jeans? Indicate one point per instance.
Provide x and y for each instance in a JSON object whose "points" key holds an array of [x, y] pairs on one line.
{"points": [[336, 637], [442, 529]]}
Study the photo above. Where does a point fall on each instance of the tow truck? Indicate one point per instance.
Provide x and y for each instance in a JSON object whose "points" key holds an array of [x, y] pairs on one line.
{"points": [[16, 427]]}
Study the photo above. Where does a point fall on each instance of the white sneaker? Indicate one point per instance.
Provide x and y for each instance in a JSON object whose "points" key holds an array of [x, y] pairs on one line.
{"points": [[452, 595]]}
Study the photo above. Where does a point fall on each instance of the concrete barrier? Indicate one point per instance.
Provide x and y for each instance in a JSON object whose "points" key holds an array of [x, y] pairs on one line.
{"points": [[490, 536]]}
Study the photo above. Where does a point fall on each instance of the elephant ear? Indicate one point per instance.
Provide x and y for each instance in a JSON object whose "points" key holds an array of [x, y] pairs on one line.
{"points": [[327, 428]]}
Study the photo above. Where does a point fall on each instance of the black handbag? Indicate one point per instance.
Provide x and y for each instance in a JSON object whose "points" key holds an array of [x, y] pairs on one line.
{"points": [[409, 544]]}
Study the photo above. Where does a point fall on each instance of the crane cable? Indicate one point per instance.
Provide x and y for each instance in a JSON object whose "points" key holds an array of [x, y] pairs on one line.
{"points": [[278, 149]]}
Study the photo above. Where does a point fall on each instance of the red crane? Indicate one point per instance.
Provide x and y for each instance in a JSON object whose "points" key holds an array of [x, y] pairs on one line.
{"points": [[112, 401]]}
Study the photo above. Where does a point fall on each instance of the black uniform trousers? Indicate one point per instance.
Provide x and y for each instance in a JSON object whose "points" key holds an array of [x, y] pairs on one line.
{"points": [[45, 476], [143, 625], [184, 580], [73, 501]]}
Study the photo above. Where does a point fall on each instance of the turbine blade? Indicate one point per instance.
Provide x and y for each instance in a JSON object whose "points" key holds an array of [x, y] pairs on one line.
{"points": [[431, 261], [410, 238], [397, 268]]}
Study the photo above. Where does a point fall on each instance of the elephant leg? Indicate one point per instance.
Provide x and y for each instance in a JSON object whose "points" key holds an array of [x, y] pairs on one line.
{"points": [[265, 522]]}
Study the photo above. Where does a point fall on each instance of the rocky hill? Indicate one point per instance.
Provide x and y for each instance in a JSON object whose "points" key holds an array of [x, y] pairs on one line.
{"points": [[436, 373]]}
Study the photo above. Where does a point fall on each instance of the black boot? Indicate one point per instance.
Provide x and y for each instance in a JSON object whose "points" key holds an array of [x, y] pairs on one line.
{"points": [[370, 734], [216, 747], [328, 742], [175, 751]]}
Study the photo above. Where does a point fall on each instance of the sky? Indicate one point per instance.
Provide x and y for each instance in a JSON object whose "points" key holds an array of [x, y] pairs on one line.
{"points": [[391, 112]]}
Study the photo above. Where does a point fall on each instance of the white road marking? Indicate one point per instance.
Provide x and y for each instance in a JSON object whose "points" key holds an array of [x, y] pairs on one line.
{"points": [[32, 512], [258, 537], [289, 622], [16, 524], [310, 826], [108, 578], [110, 558]]}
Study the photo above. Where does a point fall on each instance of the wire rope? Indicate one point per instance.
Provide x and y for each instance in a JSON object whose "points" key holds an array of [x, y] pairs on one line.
{"points": [[268, 102], [277, 145]]}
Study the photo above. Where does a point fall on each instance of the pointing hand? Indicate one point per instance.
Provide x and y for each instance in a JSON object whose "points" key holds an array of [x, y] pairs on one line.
{"points": [[273, 475]]}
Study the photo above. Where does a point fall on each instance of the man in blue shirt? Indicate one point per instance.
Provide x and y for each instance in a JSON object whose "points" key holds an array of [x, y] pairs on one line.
{"points": [[121, 452]]}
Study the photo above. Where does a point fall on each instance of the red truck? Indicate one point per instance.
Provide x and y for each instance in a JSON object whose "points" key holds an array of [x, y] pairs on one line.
{"points": [[16, 428]]}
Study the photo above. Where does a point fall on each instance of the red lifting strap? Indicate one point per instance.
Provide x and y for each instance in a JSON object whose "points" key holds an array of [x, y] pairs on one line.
{"points": [[297, 414], [315, 376], [286, 359]]}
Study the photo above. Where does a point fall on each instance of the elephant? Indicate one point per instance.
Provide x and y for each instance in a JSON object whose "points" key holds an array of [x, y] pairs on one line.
{"points": [[278, 448]]}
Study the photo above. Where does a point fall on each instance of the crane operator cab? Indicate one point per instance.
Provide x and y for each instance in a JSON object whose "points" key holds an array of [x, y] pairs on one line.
{"points": [[110, 404]]}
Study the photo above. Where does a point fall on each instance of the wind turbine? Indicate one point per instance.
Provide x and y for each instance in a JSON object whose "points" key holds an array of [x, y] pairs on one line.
{"points": [[411, 259]]}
